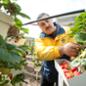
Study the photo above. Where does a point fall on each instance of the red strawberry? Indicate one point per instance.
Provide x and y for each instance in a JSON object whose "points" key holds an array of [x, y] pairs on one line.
{"points": [[68, 74], [64, 65], [76, 73], [65, 70], [74, 69]]}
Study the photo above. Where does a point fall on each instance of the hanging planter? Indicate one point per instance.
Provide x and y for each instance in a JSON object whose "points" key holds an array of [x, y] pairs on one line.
{"points": [[5, 23]]}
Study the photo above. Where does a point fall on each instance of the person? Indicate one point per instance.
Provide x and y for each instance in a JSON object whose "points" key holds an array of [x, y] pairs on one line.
{"points": [[52, 44]]}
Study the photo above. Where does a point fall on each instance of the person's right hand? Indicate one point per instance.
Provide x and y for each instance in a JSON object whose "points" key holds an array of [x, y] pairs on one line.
{"points": [[71, 49]]}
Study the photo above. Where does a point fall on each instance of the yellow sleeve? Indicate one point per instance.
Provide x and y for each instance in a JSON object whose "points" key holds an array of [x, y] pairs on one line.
{"points": [[64, 39], [46, 50]]}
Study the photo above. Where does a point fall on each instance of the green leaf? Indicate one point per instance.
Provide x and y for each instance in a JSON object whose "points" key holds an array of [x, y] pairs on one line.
{"points": [[17, 8], [18, 78], [79, 24], [14, 58], [19, 51], [19, 65], [10, 46], [3, 54], [24, 15], [9, 57], [2, 41], [3, 80], [80, 21], [25, 47], [81, 37], [26, 30], [18, 22], [6, 1]]}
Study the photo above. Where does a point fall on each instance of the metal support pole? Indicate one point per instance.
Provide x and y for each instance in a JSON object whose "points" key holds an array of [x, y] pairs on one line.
{"points": [[55, 16]]}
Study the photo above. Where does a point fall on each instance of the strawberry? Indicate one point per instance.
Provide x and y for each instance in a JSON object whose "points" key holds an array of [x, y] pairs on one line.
{"points": [[76, 73], [74, 69]]}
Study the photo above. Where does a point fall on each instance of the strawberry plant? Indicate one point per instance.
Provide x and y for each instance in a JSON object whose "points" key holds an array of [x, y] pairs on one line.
{"points": [[14, 10], [12, 57], [78, 31]]}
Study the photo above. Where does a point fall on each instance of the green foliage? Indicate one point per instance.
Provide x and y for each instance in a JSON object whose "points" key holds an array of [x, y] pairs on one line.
{"points": [[12, 8], [79, 24], [26, 30], [3, 80], [18, 22], [5, 1], [81, 37], [79, 29], [19, 25], [24, 15], [2, 41], [80, 61], [11, 55], [18, 78], [79, 33]]}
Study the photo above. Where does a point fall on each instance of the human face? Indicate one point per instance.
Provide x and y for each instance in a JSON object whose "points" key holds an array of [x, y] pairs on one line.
{"points": [[47, 26]]}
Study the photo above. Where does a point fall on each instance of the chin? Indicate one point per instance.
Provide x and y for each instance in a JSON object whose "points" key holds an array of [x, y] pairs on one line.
{"points": [[49, 33]]}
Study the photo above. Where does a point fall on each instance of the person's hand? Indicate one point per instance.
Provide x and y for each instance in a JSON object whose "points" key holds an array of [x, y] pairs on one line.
{"points": [[71, 49]]}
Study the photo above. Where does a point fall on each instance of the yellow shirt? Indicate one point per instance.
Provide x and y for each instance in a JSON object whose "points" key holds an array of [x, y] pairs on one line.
{"points": [[47, 48]]}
